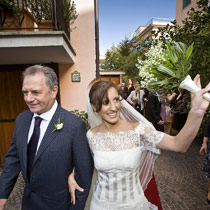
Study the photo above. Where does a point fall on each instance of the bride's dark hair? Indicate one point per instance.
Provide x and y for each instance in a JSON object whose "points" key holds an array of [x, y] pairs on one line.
{"points": [[99, 91]]}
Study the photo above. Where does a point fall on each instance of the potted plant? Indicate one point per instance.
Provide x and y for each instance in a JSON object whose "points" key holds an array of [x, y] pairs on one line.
{"points": [[14, 16], [70, 13], [43, 12]]}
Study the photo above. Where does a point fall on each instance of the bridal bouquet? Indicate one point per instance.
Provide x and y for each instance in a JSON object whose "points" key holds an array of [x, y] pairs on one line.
{"points": [[173, 71], [153, 57]]}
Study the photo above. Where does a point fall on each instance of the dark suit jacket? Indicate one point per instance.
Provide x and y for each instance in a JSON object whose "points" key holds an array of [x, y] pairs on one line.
{"points": [[153, 109], [207, 129], [58, 154]]}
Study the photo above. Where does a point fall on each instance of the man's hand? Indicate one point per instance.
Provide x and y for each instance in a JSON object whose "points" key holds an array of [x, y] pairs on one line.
{"points": [[133, 104], [160, 122], [2, 203]]}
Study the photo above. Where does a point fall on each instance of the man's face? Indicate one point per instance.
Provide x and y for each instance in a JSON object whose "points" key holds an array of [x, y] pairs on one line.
{"points": [[137, 88], [37, 95]]}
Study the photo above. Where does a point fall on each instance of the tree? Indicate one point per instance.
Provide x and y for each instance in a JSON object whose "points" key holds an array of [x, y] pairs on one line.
{"points": [[113, 60], [122, 58], [196, 28], [130, 67]]}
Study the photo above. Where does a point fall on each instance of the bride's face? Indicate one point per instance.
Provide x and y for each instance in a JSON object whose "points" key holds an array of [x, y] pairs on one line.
{"points": [[110, 109]]}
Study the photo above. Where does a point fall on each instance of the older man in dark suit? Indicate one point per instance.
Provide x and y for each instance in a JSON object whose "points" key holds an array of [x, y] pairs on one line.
{"points": [[48, 143]]}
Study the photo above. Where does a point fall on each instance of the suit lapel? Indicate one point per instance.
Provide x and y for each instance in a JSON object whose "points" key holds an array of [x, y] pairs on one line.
{"points": [[49, 136], [24, 137]]}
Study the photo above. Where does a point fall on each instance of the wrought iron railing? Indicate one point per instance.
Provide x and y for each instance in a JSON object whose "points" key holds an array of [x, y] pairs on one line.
{"points": [[39, 10]]}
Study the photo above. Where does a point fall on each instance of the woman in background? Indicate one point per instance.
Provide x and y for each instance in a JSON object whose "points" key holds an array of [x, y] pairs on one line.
{"points": [[179, 110], [205, 149]]}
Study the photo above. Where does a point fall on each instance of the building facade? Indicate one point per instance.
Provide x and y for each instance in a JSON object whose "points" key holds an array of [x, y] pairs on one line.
{"points": [[145, 32], [182, 7], [27, 39]]}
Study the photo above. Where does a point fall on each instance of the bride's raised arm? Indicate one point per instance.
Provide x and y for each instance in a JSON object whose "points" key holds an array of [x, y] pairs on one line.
{"points": [[182, 141]]}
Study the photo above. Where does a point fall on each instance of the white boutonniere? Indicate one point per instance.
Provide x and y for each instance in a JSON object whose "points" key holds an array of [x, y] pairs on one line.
{"points": [[58, 125]]}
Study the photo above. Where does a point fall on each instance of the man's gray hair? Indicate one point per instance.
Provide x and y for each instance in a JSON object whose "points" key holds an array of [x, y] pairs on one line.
{"points": [[51, 77]]}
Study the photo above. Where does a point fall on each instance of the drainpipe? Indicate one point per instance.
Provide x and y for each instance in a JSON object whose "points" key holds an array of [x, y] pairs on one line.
{"points": [[96, 38]]}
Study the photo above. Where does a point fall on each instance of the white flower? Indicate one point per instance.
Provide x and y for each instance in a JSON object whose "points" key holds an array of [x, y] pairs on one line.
{"points": [[154, 57], [59, 126]]}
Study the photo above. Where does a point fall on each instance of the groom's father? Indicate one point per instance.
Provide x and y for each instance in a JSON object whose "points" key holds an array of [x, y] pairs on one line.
{"points": [[48, 143]]}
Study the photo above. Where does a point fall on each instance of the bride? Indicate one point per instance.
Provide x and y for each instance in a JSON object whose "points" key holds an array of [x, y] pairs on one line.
{"points": [[125, 145]]}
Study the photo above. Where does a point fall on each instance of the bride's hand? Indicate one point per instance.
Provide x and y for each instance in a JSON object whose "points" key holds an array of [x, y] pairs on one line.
{"points": [[198, 103], [72, 187]]}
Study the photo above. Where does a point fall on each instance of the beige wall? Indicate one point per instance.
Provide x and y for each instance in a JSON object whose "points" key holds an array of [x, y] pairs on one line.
{"points": [[182, 13], [74, 94]]}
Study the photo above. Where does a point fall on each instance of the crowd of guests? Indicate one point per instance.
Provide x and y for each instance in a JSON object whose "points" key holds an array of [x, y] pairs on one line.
{"points": [[167, 114]]}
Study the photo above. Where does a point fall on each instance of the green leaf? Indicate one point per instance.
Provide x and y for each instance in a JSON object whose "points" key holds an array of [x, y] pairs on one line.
{"points": [[165, 70], [155, 85], [179, 48], [189, 51], [168, 62]]}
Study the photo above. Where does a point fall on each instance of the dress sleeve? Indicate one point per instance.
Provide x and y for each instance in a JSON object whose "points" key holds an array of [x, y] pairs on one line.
{"points": [[149, 137], [89, 136]]}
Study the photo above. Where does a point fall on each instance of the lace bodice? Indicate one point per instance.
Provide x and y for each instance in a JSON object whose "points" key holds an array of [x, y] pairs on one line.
{"points": [[143, 136], [118, 158]]}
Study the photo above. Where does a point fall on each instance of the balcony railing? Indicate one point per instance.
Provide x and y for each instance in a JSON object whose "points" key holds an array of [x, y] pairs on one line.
{"points": [[38, 10], [159, 20]]}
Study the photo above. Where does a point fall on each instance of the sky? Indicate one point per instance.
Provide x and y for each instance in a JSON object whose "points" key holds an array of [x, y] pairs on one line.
{"points": [[120, 18]]}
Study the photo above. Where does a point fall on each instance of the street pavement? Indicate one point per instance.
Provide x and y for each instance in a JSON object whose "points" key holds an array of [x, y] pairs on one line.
{"points": [[179, 179]]}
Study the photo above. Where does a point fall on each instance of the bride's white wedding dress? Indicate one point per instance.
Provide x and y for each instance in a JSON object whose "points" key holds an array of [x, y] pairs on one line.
{"points": [[120, 159]]}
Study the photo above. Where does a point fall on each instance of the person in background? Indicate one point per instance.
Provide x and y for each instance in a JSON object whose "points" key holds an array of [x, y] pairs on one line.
{"points": [[179, 109], [145, 98], [166, 114], [136, 98], [205, 149], [153, 110], [123, 91], [130, 86]]}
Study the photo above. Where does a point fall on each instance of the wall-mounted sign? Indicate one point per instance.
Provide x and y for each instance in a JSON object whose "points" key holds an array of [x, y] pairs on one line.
{"points": [[75, 76]]}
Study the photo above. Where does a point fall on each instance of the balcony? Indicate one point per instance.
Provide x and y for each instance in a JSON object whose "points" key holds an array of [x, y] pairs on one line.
{"points": [[34, 31]]}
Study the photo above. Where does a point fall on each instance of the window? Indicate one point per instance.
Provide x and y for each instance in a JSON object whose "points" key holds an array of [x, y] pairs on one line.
{"points": [[186, 3]]}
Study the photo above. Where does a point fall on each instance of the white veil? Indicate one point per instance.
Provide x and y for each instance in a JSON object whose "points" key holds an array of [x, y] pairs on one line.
{"points": [[128, 113]]}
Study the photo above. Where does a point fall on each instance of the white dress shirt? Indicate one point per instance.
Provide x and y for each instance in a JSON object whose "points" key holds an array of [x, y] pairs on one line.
{"points": [[46, 117], [133, 96]]}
